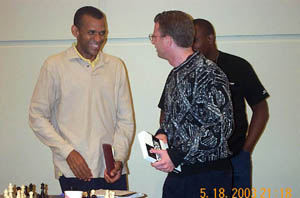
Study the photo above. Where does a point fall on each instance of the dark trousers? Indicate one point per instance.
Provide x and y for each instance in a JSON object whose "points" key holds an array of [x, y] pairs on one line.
{"points": [[242, 170], [209, 184], [94, 184]]}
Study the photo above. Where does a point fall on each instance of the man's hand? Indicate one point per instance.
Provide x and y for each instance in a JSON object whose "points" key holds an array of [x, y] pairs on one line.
{"points": [[115, 173], [165, 164], [79, 166]]}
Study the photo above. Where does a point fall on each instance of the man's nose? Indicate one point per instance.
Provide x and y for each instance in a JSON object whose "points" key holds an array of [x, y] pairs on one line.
{"points": [[152, 41], [98, 37]]}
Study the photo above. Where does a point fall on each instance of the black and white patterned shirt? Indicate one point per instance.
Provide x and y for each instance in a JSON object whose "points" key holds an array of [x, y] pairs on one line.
{"points": [[198, 112]]}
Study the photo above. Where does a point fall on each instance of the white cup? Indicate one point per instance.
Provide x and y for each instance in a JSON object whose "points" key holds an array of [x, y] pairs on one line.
{"points": [[73, 194]]}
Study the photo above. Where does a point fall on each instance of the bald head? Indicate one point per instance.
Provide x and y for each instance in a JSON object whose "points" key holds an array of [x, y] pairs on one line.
{"points": [[205, 38], [205, 26]]}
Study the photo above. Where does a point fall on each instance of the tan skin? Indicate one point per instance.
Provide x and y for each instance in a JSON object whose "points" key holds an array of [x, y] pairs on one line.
{"points": [[90, 37], [206, 44]]}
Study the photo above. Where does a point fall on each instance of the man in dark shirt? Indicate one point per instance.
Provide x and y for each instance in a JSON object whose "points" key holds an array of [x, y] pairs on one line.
{"points": [[198, 114], [244, 85]]}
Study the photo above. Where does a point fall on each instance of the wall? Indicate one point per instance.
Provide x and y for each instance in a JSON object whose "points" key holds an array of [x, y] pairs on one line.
{"points": [[266, 33]]}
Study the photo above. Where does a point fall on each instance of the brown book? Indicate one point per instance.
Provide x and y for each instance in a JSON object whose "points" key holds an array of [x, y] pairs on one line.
{"points": [[108, 156]]}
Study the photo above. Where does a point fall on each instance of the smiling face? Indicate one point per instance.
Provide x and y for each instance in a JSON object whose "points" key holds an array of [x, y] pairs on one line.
{"points": [[90, 36]]}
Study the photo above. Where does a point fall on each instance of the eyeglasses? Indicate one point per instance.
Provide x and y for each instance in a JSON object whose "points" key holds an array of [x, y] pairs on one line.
{"points": [[152, 36]]}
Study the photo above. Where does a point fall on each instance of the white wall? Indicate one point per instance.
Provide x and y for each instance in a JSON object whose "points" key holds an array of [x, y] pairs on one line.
{"points": [[266, 33]]}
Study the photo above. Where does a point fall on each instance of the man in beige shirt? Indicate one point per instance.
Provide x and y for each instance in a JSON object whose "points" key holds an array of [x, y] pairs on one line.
{"points": [[81, 101]]}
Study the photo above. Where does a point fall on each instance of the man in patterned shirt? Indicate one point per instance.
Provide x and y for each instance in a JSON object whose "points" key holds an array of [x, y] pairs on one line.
{"points": [[198, 114]]}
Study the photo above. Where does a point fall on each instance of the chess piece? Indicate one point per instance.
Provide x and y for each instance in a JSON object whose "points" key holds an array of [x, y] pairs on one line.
{"points": [[46, 191], [106, 194], [111, 194], [23, 191], [93, 194], [84, 194], [5, 194], [26, 191], [42, 194], [18, 192], [10, 190], [30, 194], [30, 187]]}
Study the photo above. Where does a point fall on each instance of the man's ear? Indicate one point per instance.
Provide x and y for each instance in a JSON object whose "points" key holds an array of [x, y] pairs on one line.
{"points": [[211, 39], [75, 31], [168, 40]]}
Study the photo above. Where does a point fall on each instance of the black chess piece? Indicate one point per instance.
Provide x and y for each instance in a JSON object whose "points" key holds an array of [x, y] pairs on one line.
{"points": [[26, 192], [30, 187], [42, 195]]}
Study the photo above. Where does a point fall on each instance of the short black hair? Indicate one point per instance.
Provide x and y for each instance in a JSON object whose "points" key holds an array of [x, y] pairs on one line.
{"points": [[178, 25], [87, 10], [205, 25]]}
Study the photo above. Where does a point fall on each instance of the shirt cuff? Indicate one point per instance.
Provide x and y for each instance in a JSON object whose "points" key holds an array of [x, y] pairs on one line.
{"points": [[66, 150], [176, 156]]}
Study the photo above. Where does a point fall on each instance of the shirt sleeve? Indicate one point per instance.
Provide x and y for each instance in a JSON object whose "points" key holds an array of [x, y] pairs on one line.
{"points": [[42, 110], [253, 88], [124, 129]]}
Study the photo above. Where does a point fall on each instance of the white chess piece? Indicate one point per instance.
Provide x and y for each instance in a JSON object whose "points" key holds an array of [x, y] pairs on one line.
{"points": [[23, 191], [92, 193], [106, 194], [19, 194], [10, 190], [5, 194], [111, 194], [30, 194]]}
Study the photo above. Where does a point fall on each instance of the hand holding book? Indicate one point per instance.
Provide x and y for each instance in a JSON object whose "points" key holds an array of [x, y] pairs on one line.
{"points": [[148, 142], [108, 156]]}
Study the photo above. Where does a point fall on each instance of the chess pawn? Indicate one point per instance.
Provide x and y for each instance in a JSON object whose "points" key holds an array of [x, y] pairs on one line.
{"points": [[23, 191], [5, 194], [10, 190], [111, 194], [106, 194], [93, 194], [18, 193], [30, 194]]}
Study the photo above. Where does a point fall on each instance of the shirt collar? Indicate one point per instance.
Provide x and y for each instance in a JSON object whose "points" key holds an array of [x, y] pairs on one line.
{"points": [[92, 63], [186, 61]]}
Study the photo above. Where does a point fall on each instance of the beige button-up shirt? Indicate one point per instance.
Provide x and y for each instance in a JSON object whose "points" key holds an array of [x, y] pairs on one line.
{"points": [[75, 106]]}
